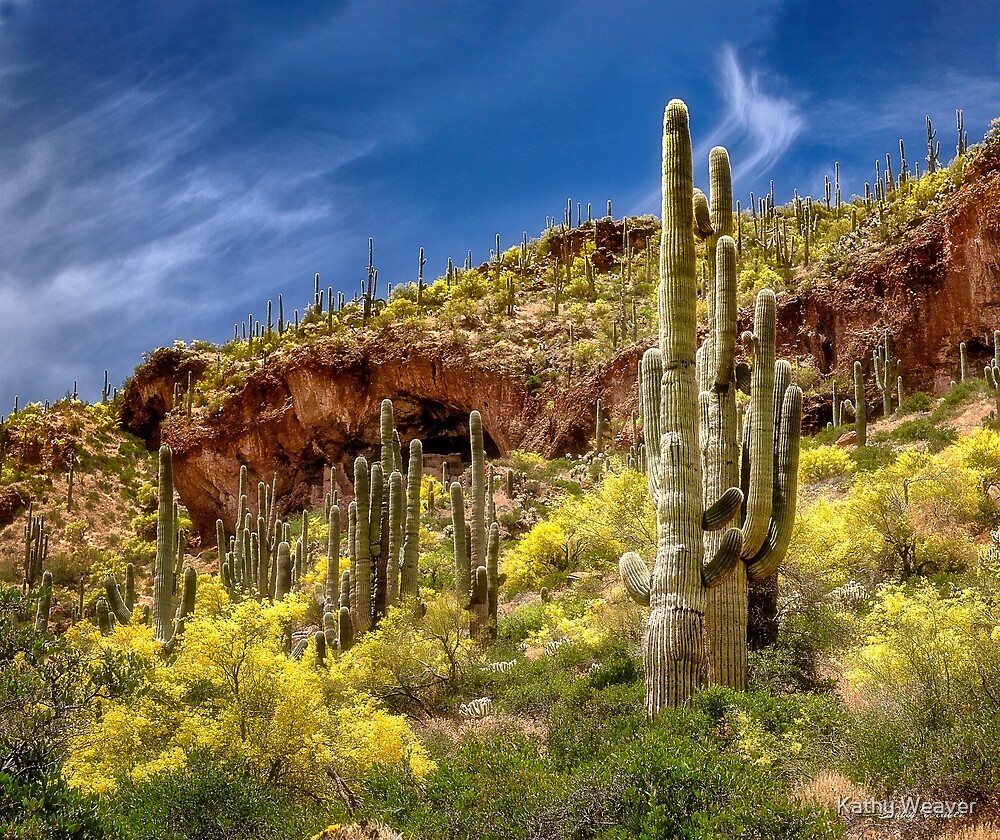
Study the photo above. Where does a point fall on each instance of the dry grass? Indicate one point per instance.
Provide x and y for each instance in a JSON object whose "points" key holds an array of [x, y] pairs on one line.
{"points": [[986, 831]]}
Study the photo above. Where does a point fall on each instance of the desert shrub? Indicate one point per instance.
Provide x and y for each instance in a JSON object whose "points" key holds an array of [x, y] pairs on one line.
{"points": [[41, 806], [900, 510], [411, 665], [872, 457], [917, 401], [956, 396], [806, 639], [821, 462], [928, 668], [981, 452], [231, 693], [794, 735], [923, 428], [824, 552], [602, 771], [591, 530], [208, 800], [517, 625]]}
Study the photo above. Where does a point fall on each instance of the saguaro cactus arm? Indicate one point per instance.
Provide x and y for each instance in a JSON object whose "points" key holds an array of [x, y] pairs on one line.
{"points": [[635, 576], [779, 535]]}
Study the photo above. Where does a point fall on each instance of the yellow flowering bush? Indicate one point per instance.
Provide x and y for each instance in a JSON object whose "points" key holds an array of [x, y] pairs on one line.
{"points": [[946, 647], [592, 531], [411, 663], [231, 692], [821, 462]]}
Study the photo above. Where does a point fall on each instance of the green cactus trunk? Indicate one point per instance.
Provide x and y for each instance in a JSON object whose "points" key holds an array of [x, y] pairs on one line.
{"points": [[463, 570], [163, 627], [860, 409], [478, 524], [395, 544], [44, 604], [362, 579], [333, 556], [411, 543], [726, 604]]}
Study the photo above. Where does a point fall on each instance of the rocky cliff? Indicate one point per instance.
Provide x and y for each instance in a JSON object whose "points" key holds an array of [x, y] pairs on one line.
{"points": [[933, 286]]}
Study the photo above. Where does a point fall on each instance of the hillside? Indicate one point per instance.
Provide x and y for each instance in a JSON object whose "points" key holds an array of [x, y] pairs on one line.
{"points": [[484, 432]]}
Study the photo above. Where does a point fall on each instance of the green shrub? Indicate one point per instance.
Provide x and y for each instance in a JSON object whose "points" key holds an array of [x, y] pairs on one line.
{"points": [[209, 801], [928, 669], [923, 428], [957, 395], [872, 457], [603, 771], [41, 806], [917, 401]]}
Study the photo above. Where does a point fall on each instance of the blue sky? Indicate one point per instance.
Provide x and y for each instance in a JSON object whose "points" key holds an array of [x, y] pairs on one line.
{"points": [[166, 167]]}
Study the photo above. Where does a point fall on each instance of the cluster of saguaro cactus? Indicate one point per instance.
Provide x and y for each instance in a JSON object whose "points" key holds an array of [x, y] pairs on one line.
{"points": [[477, 542], [259, 560], [887, 372], [383, 532], [690, 418]]}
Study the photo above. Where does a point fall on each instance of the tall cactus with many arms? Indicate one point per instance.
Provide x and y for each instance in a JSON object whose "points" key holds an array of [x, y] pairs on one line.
{"points": [[674, 649]]}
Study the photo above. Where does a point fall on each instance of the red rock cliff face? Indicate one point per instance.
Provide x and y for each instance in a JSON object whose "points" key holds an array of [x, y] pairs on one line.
{"points": [[938, 287], [320, 405]]}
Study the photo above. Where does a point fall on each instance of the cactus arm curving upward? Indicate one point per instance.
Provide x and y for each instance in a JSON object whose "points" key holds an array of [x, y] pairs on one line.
{"points": [[779, 534]]}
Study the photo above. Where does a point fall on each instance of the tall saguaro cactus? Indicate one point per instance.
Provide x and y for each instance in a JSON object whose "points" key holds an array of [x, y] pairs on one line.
{"points": [[674, 649], [163, 583]]}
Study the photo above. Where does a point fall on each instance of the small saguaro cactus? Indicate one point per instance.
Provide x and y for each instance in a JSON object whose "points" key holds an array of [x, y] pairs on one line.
{"points": [[992, 371], [859, 407], [886, 371], [165, 550], [963, 362], [599, 434], [44, 604]]}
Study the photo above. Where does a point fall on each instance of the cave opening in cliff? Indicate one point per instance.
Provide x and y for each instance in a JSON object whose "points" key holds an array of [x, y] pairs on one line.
{"points": [[443, 430]]}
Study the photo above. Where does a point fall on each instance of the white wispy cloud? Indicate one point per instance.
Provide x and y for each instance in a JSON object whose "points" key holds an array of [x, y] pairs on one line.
{"points": [[126, 223], [758, 126]]}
